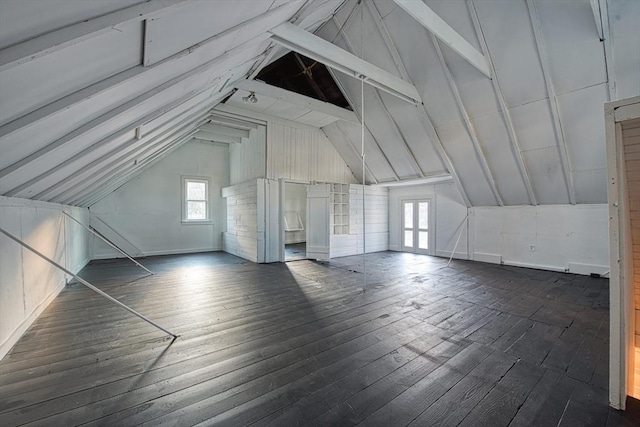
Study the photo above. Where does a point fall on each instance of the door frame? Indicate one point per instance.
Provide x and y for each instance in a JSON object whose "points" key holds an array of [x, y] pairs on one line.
{"points": [[431, 230]]}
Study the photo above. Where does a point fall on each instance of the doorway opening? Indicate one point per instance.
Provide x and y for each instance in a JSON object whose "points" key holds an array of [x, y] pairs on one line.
{"points": [[295, 221], [415, 226]]}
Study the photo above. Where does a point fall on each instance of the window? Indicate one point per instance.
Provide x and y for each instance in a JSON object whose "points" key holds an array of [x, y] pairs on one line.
{"points": [[195, 206]]}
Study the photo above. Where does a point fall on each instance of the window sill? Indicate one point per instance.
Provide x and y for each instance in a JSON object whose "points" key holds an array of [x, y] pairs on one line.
{"points": [[197, 222]]}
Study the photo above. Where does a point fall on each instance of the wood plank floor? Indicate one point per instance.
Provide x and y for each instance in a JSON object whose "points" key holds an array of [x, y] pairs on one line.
{"points": [[300, 344]]}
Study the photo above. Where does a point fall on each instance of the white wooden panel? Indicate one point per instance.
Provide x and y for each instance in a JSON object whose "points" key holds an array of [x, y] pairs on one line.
{"points": [[457, 144], [304, 154], [423, 67], [21, 20], [626, 46], [346, 150], [318, 222], [197, 21], [576, 55], [547, 178], [515, 57], [498, 150], [316, 119], [48, 78], [406, 116], [241, 237], [591, 185], [534, 125], [247, 159], [581, 113], [28, 283]]}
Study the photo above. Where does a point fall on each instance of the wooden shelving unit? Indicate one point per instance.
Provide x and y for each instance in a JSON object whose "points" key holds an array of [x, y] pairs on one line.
{"points": [[339, 208]]}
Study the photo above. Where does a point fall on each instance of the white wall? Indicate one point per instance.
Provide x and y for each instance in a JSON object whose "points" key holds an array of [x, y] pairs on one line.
{"points": [[241, 236], [27, 282], [148, 209], [247, 160], [296, 201], [572, 238], [376, 227], [447, 214], [303, 153]]}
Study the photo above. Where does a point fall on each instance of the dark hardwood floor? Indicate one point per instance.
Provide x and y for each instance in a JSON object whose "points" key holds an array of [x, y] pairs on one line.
{"points": [[300, 344], [295, 251]]}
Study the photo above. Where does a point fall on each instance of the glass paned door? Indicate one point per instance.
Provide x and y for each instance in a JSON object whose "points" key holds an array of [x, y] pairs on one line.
{"points": [[415, 226]]}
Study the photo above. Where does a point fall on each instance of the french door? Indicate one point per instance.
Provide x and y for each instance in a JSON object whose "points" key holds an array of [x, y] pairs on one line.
{"points": [[415, 226]]}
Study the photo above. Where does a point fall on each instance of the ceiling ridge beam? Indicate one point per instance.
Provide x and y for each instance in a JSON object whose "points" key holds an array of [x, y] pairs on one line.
{"points": [[557, 122], [129, 75], [122, 109], [130, 145], [513, 137], [395, 127], [314, 47], [118, 182], [297, 99], [443, 31], [422, 111], [467, 120], [53, 41]]}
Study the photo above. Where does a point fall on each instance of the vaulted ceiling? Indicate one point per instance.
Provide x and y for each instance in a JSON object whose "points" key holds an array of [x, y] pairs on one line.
{"points": [[94, 92]]}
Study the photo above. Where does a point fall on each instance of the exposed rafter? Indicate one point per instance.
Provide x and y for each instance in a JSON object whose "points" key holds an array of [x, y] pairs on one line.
{"points": [[422, 112], [443, 31], [297, 99], [608, 49], [546, 71], [314, 47], [138, 74], [503, 105], [229, 122], [595, 8], [53, 41], [357, 153], [467, 120], [124, 111]]}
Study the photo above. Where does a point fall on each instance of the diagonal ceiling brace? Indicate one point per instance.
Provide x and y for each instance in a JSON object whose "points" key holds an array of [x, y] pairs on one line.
{"points": [[314, 47], [439, 28]]}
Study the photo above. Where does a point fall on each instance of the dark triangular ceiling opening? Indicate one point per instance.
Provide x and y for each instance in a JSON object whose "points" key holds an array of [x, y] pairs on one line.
{"points": [[305, 76]]}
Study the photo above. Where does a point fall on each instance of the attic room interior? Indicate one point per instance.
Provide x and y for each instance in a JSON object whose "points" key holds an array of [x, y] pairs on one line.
{"points": [[320, 212]]}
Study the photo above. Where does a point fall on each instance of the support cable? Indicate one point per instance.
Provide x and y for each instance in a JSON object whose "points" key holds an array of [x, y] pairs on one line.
{"points": [[108, 242]]}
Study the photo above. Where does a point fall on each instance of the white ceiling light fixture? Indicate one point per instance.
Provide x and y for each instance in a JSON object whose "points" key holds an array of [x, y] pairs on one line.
{"points": [[250, 98]]}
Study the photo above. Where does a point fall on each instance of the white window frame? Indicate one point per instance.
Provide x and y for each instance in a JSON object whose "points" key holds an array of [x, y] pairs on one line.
{"points": [[207, 182], [415, 249]]}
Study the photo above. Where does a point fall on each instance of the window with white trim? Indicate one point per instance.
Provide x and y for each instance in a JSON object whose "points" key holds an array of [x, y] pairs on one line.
{"points": [[195, 196]]}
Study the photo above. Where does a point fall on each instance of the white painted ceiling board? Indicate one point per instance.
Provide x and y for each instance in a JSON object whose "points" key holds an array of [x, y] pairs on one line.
{"points": [[346, 151], [591, 186], [422, 65], [375, 160], [48, 78], [406, 116], [515, 57], [458, 145], [20, 21], [534, 125], [576, 55], [582, 118], [316, 119], [547, 178], [286, 110], [624, 22], [263, 103], [196, 21], [495, 143]]}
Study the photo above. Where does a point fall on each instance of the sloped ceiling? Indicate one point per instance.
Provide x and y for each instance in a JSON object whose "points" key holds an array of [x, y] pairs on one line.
{"points": [[93, 92]]}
